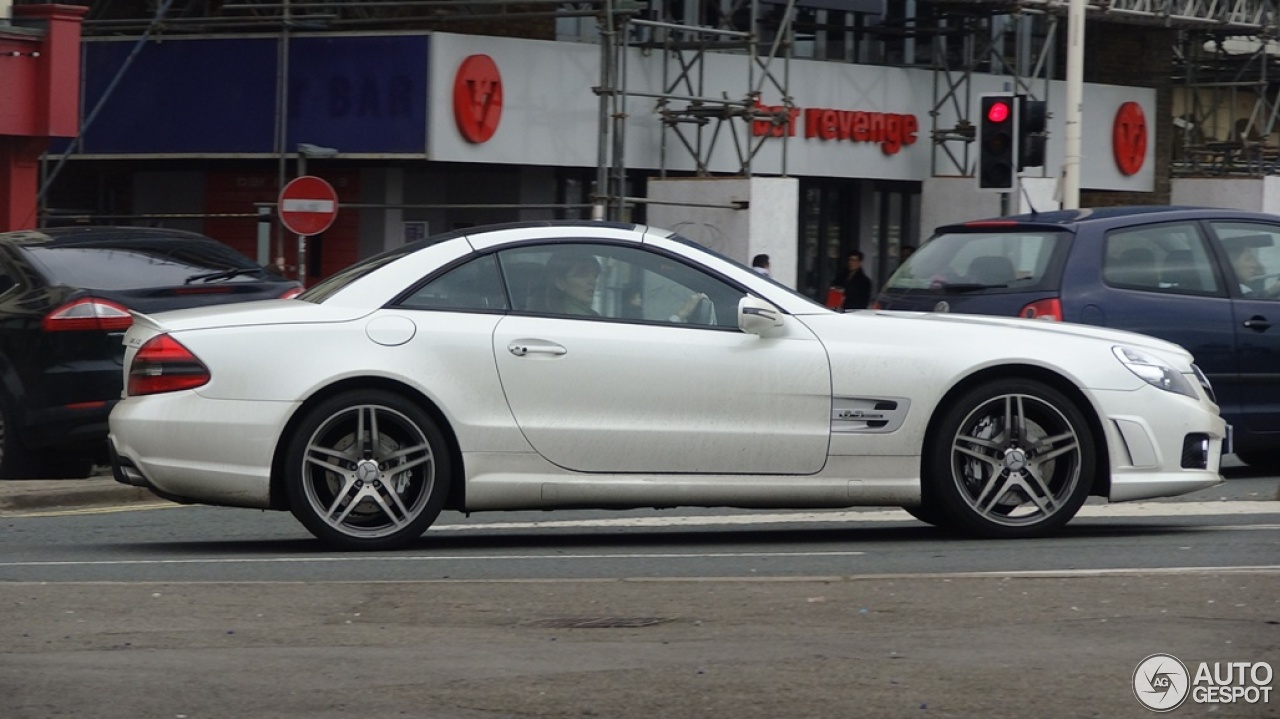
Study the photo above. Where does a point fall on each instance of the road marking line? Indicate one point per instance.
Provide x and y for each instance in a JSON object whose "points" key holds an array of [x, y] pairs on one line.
{"points": [[1144, 509], [113, 509], [427, 558], [1013, 573], [1126, 509]]}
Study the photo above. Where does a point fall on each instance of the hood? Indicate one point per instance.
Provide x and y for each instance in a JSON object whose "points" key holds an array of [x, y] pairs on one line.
{"points": [[1021, 329]]}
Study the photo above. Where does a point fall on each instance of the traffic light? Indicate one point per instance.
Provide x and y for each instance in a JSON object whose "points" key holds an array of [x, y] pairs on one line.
{"points": [[998, 142], [1032, 135]]}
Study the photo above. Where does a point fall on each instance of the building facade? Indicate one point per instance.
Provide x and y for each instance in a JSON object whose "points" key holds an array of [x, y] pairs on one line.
{"points": [[422, 132]]}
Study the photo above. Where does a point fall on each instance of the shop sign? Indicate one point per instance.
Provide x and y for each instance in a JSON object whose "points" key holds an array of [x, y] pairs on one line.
{"points": [[477, 98], [889, 130], [1129, 138]]}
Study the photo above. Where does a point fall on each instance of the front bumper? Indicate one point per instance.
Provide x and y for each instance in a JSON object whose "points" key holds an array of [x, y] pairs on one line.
{"points": [[1161, 444]]}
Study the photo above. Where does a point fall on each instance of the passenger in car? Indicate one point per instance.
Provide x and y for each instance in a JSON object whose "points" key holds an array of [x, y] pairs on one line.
{"points": [[571, 277], [1251, 273]]}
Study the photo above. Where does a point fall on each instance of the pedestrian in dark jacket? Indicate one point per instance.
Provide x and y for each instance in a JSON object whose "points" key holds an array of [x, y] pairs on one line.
{"points": [[857, 286]]}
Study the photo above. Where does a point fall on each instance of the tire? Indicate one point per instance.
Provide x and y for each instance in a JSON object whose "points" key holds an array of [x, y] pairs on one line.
{"points": [[928, 514], [57, 465], [367, 470], [16, 461], [1261, 459], [1013, 458]]}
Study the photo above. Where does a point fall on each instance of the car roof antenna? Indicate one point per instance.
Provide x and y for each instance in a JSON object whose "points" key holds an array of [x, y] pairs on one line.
{"points": [[1022, 187]]}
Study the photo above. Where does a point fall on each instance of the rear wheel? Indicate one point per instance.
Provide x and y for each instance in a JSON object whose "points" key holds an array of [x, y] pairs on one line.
{"points": [[1014, 458], [367, 470], [58, 465]]}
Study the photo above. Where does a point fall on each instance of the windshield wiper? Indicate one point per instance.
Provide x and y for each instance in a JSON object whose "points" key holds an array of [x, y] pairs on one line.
{"points": [[223, 274]]}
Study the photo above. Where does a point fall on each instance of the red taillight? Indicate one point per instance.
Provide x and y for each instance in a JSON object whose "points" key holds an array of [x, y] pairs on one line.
{"points": [[291, 293], [1050, 309], [162, 364], [88, 313]]}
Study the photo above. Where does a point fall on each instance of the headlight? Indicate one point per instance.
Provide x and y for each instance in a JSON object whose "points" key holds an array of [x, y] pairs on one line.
{"points": [[1154, 370]]}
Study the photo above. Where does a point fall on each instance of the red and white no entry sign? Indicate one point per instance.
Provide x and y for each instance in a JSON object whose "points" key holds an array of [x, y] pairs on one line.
{"points": [[308, 205]]}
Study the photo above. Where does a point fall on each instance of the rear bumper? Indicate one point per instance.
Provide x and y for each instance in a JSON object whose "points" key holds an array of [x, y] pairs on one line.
{"points": [[188, 448]]}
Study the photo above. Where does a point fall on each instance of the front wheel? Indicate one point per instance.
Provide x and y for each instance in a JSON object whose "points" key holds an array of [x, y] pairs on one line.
{"points": [[1013, 458], [367, 470], [16, 461], [1261, 459]]}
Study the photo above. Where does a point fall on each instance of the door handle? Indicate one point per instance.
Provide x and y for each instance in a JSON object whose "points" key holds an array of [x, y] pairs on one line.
{"points": [[523, 349], [1258, 323]]}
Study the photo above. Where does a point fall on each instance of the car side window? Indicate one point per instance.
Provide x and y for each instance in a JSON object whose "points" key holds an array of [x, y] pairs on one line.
{"points": [[474, 286], [614, 282], [1169, 258], [1253, 255]]}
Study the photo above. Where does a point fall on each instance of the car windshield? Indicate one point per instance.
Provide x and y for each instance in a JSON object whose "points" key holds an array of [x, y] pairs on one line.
{"points": [[971, 261], [703, 248], [118, 266]]}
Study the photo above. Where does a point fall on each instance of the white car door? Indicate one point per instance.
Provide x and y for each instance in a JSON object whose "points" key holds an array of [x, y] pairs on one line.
{"points": [[634, 386]]}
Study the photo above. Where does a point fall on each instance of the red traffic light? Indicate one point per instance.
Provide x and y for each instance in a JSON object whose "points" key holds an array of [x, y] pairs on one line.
{"points": [[998, 112]]}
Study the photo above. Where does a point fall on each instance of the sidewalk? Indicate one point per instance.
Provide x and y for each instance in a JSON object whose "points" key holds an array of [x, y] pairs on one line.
{"points": [[99, 490]]}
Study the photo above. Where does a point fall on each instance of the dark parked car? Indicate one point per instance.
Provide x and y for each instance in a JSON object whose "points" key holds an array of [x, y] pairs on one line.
{"points": [[65, 298], [1202, 277]]}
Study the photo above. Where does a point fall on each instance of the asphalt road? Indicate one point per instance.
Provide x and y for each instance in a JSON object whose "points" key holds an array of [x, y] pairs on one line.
{"points": [[148, 610]]}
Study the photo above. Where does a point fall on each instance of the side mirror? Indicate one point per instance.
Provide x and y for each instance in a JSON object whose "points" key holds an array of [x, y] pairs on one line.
{"points": [[757, 317]]}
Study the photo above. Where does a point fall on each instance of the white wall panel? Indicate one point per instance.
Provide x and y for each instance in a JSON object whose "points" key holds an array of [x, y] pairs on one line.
{"points": [[550, 114]]}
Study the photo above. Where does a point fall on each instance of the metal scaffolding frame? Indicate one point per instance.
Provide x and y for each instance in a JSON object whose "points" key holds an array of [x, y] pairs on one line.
{"points": [[1020, 46], [1225, 60], [1218, 85], [695, 119]]}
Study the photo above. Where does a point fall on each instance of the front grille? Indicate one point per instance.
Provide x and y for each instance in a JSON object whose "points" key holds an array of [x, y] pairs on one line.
{"points": [[1195, 451]]}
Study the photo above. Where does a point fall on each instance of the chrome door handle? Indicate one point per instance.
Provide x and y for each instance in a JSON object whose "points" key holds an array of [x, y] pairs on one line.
{"points": [[1258, 322], [520, 349]]}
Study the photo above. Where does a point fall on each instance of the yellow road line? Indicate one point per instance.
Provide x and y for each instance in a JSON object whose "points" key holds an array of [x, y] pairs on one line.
{"points": [[69, 512]]}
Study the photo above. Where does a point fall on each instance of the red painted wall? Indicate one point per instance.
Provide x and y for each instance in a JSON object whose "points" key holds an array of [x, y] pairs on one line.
{"points": [[39, 99], [227, 194]]}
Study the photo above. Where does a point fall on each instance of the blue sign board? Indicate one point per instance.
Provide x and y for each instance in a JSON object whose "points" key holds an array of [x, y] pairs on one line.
{"points": [[359, 94]]}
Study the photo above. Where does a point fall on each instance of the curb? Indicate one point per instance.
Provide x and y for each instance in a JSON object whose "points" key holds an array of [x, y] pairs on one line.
{"points": [[18, 498]]}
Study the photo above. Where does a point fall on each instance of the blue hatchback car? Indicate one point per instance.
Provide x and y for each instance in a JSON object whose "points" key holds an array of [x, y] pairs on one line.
{"points": [[1204, 278]]}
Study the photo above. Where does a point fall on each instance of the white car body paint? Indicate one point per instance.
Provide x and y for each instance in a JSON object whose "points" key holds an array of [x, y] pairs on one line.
{"points": [[633, 415]]}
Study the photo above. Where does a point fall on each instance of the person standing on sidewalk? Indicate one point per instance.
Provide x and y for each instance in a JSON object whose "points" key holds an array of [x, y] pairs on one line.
{"points": [[857, 286]]}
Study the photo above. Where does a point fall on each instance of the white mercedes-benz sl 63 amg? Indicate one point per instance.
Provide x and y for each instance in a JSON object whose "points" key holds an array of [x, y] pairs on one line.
{"points": [[559, 365]]}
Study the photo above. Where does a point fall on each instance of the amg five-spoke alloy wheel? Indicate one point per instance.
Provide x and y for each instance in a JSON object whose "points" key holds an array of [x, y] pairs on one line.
{"points": [[1013, 458], [367, 470]]}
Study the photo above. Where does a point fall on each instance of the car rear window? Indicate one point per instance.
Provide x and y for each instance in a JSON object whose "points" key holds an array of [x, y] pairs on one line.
{"points": [[1009, 258], [147, 263]]}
